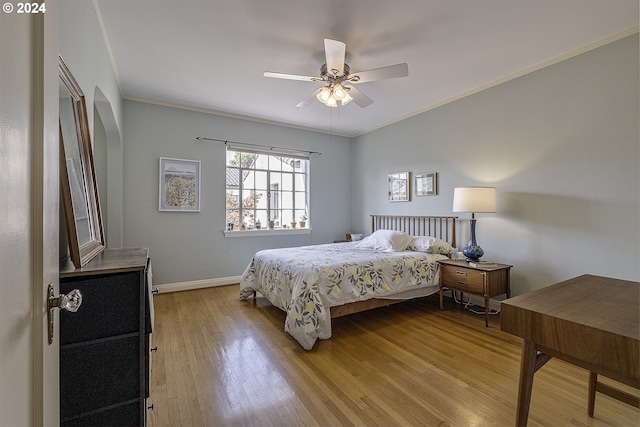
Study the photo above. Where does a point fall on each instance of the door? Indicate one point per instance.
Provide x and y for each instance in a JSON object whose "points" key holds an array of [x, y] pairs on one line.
{"points": [[29, 208]]}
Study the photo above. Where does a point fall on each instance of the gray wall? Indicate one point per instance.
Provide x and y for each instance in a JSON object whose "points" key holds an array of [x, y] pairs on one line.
{"points": [[191, 246], [83, 49], [561, 145]]}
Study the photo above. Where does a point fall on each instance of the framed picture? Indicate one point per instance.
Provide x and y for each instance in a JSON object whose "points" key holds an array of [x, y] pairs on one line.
{"points": [[179, 185], [398, 187], [426, 184]]}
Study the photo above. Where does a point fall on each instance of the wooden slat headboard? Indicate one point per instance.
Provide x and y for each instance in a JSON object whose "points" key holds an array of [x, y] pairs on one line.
{"points": [[442, 227]]}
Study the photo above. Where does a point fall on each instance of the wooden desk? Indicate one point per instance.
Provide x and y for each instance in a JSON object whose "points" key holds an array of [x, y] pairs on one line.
{"points": [[589, 321]]}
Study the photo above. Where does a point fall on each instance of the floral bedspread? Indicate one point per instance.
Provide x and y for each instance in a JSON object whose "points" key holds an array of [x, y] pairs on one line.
{"points": [[306, 281]]}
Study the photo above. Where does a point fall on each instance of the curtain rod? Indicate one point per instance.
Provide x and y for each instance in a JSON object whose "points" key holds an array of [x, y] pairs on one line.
{"points": [[270, 147]]}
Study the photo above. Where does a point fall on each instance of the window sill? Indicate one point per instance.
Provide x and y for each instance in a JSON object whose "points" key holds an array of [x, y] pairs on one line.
{"points": [[267, 232]]}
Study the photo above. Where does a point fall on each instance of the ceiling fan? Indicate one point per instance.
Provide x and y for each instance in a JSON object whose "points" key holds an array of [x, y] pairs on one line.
{"points": [[336, 75]]}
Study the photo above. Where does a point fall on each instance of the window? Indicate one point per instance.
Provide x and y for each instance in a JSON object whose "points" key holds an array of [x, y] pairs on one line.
{"points": [[265, 186]]}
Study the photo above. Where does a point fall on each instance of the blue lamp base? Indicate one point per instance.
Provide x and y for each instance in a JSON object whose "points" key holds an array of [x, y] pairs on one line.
{"points": [[472, 251]]}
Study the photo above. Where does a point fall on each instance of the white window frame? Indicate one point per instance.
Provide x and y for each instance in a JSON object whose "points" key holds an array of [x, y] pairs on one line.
{"points": [[269, 208]]}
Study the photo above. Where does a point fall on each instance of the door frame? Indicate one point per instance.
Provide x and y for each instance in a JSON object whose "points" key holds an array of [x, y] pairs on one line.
{"points": [[45, 201]]}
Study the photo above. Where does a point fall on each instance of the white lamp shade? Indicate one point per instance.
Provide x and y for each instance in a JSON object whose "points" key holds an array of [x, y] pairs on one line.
{"points": [[338, 92], [324, 95], [474, 199]]}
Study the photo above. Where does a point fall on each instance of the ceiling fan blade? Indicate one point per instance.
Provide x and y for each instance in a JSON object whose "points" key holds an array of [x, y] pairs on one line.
{"points": [[360, 98], [292, 77], [335, 53], [389, 72], [309, 99]]}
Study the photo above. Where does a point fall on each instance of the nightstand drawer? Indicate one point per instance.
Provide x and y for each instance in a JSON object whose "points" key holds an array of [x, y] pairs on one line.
{"points": [[463, 279]]}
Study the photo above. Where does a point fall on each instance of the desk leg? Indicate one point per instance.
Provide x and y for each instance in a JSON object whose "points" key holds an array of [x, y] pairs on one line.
{"points": [[591, 403], [527, 369]]}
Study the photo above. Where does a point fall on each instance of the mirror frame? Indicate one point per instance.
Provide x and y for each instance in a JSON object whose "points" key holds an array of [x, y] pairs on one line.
{"points": [[80, 254]]}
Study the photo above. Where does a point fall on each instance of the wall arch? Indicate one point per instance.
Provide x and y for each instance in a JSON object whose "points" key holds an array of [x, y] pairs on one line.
{"points": [[108, 158]]}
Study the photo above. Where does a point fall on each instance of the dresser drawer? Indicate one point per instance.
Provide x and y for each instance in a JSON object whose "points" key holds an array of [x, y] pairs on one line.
{"points": [[463, 279]]}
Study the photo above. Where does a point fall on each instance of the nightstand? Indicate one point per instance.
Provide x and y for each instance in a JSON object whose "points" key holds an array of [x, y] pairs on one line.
{"points": [[483, 281], [347, 238]]}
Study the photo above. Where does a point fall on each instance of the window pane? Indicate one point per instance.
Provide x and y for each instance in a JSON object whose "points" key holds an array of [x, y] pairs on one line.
{"points": [[249, 160], [247, 218], [260, 180], [261, 215], [275, 178], [274, 163], [233, 177], [300, 199], [287, 164], [287, 181], [300, 182], [274, 200], [233, 198], [287, 218], [233, 216], [247, 180], [261, 200], [233, 158], [251, 200], [287, 199], [262, 161]]}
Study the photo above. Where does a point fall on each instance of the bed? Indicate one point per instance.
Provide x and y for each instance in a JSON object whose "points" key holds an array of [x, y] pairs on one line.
{"points": [[313, 284]]}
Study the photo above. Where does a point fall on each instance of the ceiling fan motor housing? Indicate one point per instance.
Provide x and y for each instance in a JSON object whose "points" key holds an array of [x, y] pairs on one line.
{"points": [[331, 77]]}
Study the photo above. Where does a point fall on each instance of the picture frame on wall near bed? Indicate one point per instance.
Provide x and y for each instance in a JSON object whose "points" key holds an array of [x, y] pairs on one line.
{"points": [[179, 185], [427, 184], [398, 187]]}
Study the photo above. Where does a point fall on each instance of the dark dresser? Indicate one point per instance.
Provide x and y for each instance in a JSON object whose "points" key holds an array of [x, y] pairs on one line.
{"points": [[105, 345]]}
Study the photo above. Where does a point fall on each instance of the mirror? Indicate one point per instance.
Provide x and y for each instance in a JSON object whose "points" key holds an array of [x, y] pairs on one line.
{"points": [[77, 177]]}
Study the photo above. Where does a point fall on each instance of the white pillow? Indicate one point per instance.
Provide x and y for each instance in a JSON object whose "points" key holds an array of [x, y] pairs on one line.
{"points": [[386, 240], [430, 245]]}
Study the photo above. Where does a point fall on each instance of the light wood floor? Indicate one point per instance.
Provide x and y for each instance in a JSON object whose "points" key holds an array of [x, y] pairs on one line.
{"points": [[226, 362]]}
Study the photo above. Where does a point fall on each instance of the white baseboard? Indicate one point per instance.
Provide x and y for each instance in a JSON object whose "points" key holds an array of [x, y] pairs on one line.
{"points": [[197, 284], [479, 301]]}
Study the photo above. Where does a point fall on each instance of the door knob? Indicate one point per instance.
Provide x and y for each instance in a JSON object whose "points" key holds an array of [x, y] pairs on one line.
{"points": [[69, 302]]}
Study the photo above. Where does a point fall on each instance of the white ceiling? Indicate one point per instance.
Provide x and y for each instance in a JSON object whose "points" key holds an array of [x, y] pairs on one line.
{"points": [[210, 55]]}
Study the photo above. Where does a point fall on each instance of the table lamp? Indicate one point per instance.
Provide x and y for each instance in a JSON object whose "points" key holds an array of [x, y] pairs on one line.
{"points": [[474, 199]]}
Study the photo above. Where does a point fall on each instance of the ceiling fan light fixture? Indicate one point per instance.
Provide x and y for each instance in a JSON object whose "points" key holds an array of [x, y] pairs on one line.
{"points": [[324, 95], [347, 98], [338, 92]]}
